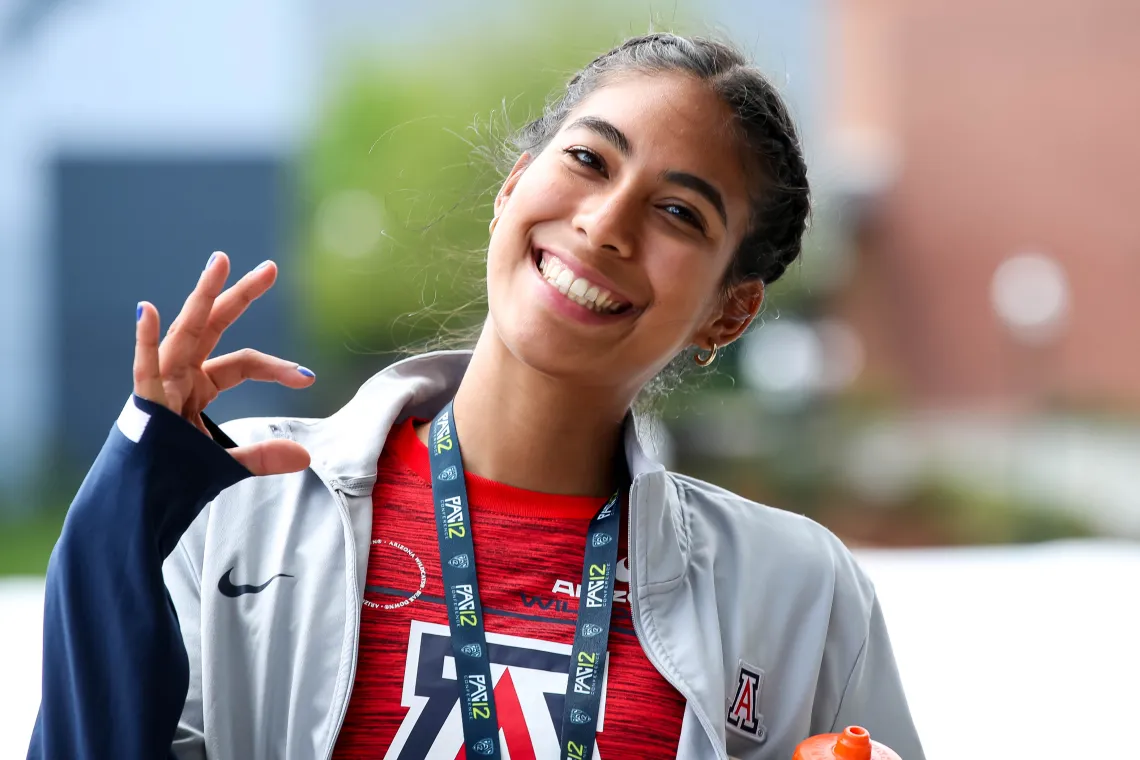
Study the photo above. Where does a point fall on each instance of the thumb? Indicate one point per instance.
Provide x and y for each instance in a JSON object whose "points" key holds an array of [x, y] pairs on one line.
{"points": [[272, 457]]}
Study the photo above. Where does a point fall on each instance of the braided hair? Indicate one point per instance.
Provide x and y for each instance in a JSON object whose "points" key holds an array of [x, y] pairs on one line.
{"points": [[781, 199]]}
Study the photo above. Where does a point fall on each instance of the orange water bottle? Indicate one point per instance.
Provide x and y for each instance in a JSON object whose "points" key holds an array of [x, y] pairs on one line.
{"points": [[853, 744]]}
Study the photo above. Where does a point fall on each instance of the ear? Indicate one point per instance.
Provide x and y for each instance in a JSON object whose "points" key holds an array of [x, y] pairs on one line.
{"points": [[509, 183], [729, 321]]}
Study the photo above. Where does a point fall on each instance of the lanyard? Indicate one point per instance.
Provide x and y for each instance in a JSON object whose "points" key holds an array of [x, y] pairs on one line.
{"points": [[465, 612]]}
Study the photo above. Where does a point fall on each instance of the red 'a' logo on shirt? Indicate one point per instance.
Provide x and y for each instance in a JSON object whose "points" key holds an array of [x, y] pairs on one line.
{"points": [[529, 676], [744, 710]]}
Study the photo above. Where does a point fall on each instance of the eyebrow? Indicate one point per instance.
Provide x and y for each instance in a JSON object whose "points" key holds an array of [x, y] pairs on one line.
{"points": [[607, 131], [698, 185], [617, 138]]}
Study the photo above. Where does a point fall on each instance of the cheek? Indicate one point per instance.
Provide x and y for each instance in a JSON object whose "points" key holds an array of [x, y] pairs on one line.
{"points": [[685, 282], [544, 191]]}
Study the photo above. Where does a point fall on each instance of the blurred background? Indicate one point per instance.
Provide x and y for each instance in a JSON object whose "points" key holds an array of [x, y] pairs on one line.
{"points": [[949, 379]]}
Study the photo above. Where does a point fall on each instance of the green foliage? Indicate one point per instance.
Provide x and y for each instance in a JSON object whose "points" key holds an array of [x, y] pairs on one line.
{"points": [[26, 543], [399, 179], [969, 515]]}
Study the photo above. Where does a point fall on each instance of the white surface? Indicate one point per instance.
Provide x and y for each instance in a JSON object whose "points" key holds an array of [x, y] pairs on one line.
{"points": [[21, 632], [997, 644], [993, 644]]}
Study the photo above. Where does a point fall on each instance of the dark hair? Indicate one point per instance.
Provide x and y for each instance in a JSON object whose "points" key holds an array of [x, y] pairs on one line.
{"points": [[781, 200]]}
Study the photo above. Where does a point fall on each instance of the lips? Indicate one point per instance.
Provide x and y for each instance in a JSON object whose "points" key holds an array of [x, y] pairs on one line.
{"points": [[595, 297]]}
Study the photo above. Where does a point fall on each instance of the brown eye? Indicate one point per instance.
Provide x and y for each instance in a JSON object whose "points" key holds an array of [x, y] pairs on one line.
{"points": [[686, 215], [587, 158]]}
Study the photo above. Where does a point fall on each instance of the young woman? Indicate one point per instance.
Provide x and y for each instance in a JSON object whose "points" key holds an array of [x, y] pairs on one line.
{"points": [[310, 591]]}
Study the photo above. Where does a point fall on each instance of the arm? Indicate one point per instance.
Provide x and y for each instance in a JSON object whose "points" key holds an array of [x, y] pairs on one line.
{"points": [[115, 669], [874, 698]]}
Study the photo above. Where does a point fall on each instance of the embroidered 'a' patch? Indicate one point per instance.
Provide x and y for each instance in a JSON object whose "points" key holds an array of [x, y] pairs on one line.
{"points": [[744, 715]]}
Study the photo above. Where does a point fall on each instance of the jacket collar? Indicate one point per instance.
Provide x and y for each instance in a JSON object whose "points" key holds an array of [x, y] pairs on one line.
{"points": [[345, 449], [345, 446]]}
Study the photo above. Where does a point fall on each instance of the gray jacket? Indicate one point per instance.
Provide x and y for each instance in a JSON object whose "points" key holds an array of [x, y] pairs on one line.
{"points": [[760, 618]]}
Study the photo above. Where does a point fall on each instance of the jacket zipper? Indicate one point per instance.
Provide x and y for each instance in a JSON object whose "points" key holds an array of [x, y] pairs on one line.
{"points": [[635, 608], [342, 710]]}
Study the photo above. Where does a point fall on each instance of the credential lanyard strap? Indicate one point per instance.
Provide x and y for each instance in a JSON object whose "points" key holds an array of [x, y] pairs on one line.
{"points": [[465, 612]]}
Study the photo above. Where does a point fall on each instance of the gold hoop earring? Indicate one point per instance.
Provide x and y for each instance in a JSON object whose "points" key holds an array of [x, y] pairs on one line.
{"points": [[704, 361], [491, 226]]}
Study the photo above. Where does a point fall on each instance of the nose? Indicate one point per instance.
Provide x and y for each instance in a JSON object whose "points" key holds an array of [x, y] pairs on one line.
{"points": [[608, 221]]}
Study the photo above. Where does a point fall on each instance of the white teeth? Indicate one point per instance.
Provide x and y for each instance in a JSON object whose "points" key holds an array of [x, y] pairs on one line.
{"points": [[564, 281], [578, 289]]}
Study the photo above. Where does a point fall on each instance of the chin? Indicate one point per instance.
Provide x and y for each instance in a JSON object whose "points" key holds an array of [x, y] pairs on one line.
{"points": [[546, 348]]}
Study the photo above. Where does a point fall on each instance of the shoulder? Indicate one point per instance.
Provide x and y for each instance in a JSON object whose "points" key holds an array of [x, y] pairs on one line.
{"points": [[784, 584], [247, 430], [253, 507], [764, 541]]}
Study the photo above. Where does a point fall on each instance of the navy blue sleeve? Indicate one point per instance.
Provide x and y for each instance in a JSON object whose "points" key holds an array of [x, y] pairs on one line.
{"points": [[115, 672]]}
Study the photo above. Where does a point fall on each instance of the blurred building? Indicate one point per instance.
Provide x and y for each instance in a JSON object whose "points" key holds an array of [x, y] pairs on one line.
{"points": [[984, 157], [987, 153]]}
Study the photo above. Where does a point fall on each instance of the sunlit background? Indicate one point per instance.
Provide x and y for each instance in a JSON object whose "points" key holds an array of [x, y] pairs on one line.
{"points": [[949, 379]]}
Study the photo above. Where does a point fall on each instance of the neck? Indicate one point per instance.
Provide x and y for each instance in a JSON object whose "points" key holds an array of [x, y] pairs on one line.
{"points": [[520, 427]]}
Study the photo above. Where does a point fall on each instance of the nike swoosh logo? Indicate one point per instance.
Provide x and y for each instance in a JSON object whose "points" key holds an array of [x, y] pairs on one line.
{"points": [[227, 587]]}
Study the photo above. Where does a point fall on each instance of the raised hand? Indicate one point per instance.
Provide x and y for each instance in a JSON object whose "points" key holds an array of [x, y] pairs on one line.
{"points": [[178, 373]]}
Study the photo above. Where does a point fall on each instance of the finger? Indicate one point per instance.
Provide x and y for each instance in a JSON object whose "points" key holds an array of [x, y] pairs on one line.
{"points": [[272, 457], [231, 304], [181, 343], [147, 375], [232, 369]]}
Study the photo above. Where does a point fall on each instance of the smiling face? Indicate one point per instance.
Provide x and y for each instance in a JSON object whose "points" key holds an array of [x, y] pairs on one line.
{"points": [[612, 243]]}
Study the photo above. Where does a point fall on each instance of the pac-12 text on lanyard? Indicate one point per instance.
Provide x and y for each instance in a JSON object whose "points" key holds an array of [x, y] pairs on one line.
{"points": [[465, 611]]}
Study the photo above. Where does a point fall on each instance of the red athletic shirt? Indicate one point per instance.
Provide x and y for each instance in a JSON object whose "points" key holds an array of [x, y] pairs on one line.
{"points": [[529, 550]]}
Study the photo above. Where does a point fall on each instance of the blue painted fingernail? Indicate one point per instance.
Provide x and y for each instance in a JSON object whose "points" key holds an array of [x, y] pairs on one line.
{"points": [[263, 265], [213, 257], [138, 311], [306, 371]]}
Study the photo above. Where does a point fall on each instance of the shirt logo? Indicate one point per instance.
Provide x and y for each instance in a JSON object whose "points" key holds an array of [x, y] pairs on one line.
{"points": [[529, 683], [744, 709], [227, 587], [382, 545]]}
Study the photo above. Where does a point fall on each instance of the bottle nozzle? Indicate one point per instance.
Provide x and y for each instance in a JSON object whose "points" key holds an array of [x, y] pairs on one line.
{"points": [[853, 744]]}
